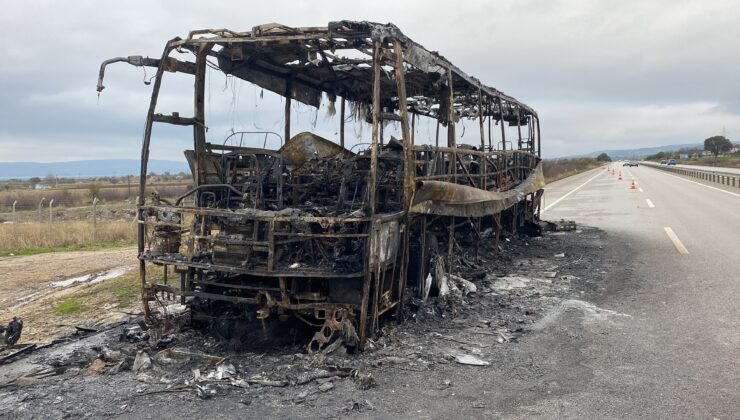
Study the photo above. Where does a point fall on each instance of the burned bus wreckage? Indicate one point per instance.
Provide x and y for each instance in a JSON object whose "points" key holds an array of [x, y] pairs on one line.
{"points": [[313, 230]]}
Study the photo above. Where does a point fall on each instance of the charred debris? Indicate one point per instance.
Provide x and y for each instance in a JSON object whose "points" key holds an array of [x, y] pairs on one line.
{"points": [[314, 231]]}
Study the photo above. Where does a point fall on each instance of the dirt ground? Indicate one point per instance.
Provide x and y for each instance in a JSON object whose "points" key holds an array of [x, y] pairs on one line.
{"points": [[459, 356], [27, 289]]}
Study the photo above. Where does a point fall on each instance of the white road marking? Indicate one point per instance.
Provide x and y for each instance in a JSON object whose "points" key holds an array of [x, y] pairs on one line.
{"points": [[676, 242], [571, 192], [650, 203], [704, 185], [640, 189]]}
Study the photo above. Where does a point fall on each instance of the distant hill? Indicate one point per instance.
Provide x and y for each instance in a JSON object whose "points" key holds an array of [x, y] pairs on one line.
{"points": [[642, 152], [87, 168]]}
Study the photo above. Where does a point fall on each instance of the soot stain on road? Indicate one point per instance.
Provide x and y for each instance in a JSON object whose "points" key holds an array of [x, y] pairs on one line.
{"points": [[419, 365]]}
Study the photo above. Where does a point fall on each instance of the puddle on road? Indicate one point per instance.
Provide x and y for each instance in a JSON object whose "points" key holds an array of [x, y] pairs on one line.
{"points": [[92, 278]]}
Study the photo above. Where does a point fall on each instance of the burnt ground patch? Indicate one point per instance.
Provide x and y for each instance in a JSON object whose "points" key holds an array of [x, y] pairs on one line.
{"points": [[417, 366]]}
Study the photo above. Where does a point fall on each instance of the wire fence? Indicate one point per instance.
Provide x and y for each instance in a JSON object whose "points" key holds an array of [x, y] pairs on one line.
{"points": [[72, 216], [49, 226], [51, 211]]}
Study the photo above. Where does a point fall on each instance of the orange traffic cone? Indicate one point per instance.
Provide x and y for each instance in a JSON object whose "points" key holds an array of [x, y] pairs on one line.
{"points": [[633, 186], [620, 176]]}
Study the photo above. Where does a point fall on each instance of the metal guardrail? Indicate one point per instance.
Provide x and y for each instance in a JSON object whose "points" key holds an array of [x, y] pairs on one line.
{"points": [[719, 177]]}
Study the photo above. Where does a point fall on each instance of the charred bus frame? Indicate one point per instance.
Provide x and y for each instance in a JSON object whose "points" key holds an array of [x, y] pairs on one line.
{"points": [[253, 240]]}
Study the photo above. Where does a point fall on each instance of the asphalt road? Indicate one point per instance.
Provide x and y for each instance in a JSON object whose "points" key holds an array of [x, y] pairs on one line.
{"points": [[674, 352]]}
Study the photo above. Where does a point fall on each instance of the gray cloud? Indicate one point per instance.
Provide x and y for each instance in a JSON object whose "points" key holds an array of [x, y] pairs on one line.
{"points": [[602, 74]]}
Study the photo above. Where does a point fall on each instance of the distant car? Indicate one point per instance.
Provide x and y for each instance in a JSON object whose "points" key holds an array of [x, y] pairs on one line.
{"points": [[672, 162], [630, 163], [663, 162]]}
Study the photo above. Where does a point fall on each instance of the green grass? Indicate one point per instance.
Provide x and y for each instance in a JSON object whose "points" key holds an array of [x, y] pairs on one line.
{"points": [[79, 247], [70, 305], [123, 290]]}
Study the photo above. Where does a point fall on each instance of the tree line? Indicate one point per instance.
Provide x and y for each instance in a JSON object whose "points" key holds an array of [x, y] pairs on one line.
{"points": [[715, 145]]}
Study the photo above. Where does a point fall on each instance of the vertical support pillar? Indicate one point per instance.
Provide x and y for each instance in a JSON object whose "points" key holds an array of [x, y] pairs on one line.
{"points": [[381, 142], [504, 161], [375, 132], [451, 113], [436, 136], [484, 160], [408, 167], [143, 171], [371, 185], [539, 136], [341, 123], [199, 128], [501, 121], [413, 127], [288, 98], [451, 142], [519, 126], [490, 117]]}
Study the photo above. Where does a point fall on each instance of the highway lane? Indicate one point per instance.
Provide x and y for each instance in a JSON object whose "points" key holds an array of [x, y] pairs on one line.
{"points": [[712, 168], [675, 352]]}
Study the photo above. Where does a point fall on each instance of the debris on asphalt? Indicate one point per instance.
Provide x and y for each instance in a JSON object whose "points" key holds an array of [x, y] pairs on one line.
{"points": [[225, 371], [558, 226], [142, 361], [469, 359], [491, 301], [467, 286], [326, 386]]}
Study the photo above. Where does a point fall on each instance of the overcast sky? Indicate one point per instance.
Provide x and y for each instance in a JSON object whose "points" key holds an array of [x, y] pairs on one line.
{"points": [[601, 74]]}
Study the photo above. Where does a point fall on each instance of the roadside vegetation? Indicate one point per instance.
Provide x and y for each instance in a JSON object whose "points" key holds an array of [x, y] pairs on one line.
{"points": [[70, 305], [720, 162], [120, 292], [51, 214], [555, 169], [726, 161], [65, 196], [718, 151], [39, 237], [89, 305]]}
